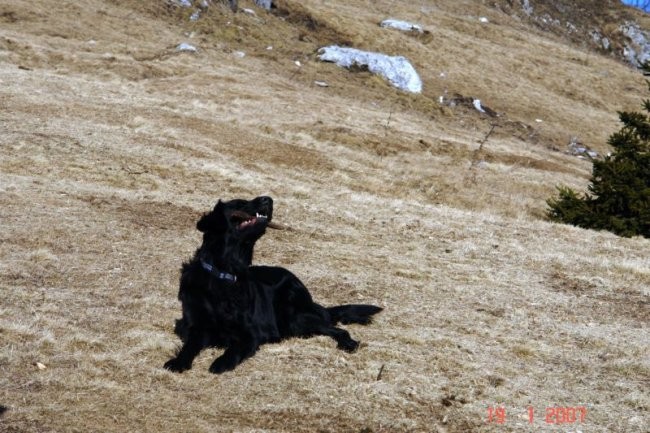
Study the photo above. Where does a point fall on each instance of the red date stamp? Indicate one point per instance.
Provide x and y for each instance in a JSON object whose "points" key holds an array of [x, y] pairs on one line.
{"points": [[497, 414], [563, 415], [558, 415]]}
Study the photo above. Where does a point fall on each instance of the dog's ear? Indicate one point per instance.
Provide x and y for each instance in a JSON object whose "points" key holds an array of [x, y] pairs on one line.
{"points": [[212, 221]]}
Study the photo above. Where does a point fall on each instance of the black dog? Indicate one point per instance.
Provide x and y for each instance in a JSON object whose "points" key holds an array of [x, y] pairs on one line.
{"points": [[229, 303]]}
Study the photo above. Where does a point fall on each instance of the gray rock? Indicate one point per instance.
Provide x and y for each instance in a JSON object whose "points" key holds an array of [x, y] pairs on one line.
{"points": [[576, 148], [601, 40], [637, 50]]}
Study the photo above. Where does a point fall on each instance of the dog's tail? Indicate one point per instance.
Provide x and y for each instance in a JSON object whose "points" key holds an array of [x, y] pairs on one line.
{"points": [[353, 313]]}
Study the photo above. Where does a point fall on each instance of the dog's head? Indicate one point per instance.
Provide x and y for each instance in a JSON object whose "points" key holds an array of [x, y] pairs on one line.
{"points": [[242, 220]]}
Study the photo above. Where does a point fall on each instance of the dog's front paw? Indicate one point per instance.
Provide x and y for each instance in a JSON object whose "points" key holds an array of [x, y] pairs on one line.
{"points": [[349, 345], [221, 365], [176, 365]]}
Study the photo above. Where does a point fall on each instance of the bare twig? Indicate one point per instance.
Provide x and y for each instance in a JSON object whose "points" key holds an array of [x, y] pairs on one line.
{"points": [[477, 156], [390, 116], [381, 370], [487, 135], [131, 171], [478, 152], [279, 226]]}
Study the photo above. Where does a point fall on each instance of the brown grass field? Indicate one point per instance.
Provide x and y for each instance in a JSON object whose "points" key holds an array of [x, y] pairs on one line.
{"points": [[113, 144]]}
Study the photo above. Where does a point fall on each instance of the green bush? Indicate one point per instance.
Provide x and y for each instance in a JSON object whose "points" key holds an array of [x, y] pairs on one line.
{"points": [[618, 198]]}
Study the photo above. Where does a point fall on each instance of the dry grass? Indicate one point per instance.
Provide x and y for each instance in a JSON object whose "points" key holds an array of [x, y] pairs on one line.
{"points": [[113, 144]]}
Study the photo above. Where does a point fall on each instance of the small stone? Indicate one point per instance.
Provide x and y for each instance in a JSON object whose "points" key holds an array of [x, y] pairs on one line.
{"points": [[186, 47]]}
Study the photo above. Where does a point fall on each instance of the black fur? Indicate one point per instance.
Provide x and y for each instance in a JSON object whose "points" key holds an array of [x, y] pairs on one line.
{"points": [[264, 305]]}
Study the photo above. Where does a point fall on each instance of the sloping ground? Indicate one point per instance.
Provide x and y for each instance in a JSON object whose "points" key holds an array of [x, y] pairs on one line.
{"points": [[113, 144]]}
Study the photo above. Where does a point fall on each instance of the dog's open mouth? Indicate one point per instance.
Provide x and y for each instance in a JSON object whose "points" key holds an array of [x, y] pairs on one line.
{"points": [[245, 220]]}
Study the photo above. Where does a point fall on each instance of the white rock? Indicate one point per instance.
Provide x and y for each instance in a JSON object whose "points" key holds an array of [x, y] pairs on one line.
{"points": [[477, 105], [483, 20], [266, 4], [186, 47], [404, 26], [396, 69]]}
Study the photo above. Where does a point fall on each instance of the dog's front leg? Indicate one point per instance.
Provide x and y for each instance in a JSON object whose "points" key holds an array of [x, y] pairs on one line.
{"points": [[183, 360], [234, 355]]}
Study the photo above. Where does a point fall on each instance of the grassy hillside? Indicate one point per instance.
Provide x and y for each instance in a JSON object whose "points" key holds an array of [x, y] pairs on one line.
{"points": [[113, 144]]}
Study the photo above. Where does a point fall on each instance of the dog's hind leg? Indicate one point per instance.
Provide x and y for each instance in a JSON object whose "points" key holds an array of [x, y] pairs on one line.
{"points": [[192, 345], [309, 324], [342, 337]]}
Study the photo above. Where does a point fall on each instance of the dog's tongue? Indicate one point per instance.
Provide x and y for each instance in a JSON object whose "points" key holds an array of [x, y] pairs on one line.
{"points": [[247, 223]]}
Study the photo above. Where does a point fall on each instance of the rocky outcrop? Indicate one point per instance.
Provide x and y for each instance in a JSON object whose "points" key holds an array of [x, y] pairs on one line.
{"points": [[606, 26]]}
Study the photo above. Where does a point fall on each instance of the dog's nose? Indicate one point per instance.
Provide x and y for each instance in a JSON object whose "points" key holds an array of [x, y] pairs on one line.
{"points": [[265, 200]]}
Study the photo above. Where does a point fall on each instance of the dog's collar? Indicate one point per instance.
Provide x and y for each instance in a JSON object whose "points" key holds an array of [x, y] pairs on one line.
{"points": [[217, 273]]}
